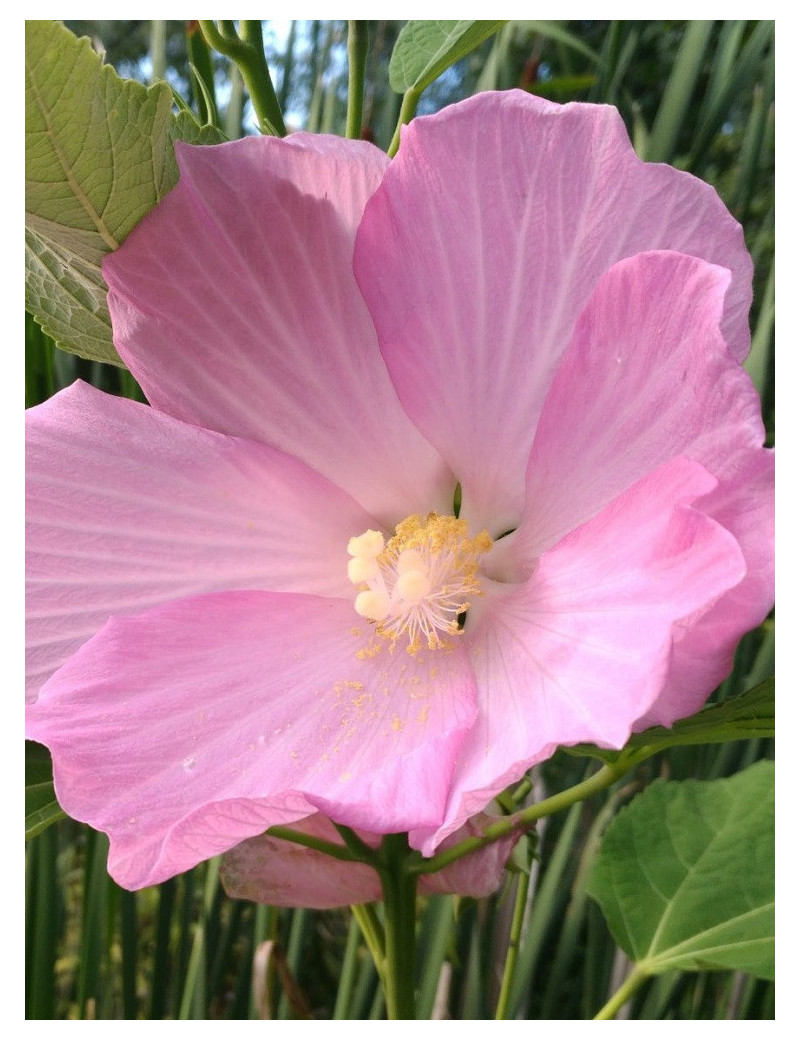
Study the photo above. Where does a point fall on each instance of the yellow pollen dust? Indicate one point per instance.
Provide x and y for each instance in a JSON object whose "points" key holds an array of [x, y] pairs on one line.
{"points": [[414, 586]]}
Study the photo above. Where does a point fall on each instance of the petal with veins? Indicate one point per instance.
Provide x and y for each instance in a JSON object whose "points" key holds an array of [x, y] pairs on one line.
{"points": [[183, 730]]}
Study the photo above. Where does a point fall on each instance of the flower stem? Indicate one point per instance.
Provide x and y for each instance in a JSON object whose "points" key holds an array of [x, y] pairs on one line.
{"points": [[359, 850], [372, 930], [330, 848], [623, 994], [247, 50], [407, 112], [399, 900], [348, 973], [203, 90], [357, 41], [501, 1011]]}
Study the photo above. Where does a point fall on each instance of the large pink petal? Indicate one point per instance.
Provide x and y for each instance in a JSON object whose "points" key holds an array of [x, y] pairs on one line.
{"points": [[271, 870], [127, 508], [235, 305], [182, 731], [581, 651], [480, 249], [646, 378], [705, 646]]}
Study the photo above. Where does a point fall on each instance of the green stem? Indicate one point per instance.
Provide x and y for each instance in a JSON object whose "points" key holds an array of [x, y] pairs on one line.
{"points": [[200, 58], [359, 850], [247, 51], [521, 791], [501, 1011], [288, 64], [330, 848], [604, 777], [407, 112], [623, 994], [265, 100], [357, 42], [372, 930], [347, 976], [158, 50], [399, 900], [232, 125]]}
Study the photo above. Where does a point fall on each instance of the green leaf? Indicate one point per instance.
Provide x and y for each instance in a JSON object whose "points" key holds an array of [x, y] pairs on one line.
{"points": [[67, 296], [41, 806], [685, 875], [677, 94], [184, 127], [750, 715], [741, 718], [757, 364], [98, 156], [425, 49], [498, 72], [733, 71]]}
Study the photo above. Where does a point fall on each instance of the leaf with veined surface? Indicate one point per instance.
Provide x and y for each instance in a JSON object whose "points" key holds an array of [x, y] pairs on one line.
{"points": [[98, 157], [749, 715], [41, 806], [685, 875], [425, 49]]}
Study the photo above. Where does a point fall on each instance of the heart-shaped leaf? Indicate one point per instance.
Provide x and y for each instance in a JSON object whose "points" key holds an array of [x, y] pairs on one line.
{"points": [[685, 875]]}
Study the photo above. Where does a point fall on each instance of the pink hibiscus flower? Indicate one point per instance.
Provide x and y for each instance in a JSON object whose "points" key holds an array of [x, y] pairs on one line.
{"points": [[253, 601]]}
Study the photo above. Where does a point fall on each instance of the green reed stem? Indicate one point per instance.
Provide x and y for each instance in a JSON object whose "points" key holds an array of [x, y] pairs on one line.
{"points": [[399, 900], [357, 44]]}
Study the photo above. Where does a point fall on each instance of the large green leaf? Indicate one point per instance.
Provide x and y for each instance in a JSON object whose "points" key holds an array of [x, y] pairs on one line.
{"points": [[41, 807], [425, 49], [685, 875], [98, 156]]}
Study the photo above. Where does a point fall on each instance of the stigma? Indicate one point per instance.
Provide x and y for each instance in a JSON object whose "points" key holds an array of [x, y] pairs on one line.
{"points": [[417, 586]]}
